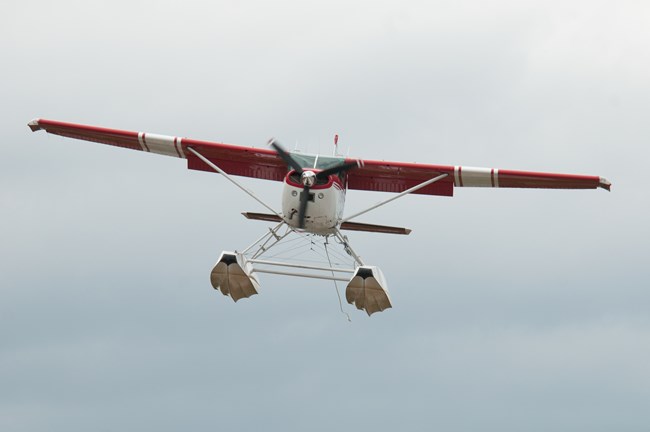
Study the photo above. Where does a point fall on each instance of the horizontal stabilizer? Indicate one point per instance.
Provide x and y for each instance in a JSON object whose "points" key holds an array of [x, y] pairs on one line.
{"points": [[384, 229], [262, 216], [350, 226]]}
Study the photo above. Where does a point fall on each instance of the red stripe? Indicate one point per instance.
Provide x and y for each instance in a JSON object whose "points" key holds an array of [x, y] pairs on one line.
{"points": [[144, 142], [460, 176], [176, 146], [492, 177]]}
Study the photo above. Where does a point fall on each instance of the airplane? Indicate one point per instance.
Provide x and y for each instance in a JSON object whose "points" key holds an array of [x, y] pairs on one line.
{"points": [[313, 200]]}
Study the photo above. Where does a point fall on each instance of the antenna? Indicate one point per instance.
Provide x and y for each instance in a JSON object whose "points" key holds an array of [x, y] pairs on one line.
{"points": [[336, 144]]}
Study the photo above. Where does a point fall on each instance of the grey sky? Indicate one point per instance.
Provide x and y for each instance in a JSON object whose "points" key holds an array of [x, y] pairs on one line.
{"points": [[513, 310]]}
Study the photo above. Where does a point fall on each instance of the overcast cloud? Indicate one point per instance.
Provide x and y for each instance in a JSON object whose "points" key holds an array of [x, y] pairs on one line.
{"points": [[513, 310]]}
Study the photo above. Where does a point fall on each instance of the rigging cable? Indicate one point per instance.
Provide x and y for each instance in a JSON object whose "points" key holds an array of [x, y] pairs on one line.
{"points": [[336, 286]]}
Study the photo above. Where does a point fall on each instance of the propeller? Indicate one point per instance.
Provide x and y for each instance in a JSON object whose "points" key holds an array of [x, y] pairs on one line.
{"points": [[345, 166], [309, 178], [285, 156]]}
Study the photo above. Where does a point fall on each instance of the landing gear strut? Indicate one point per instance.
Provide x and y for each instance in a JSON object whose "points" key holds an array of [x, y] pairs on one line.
{"points": [[236, 273]]}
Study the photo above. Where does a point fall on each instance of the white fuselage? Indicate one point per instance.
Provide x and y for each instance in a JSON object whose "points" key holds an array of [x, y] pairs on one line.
{"points": [[324, 208]]}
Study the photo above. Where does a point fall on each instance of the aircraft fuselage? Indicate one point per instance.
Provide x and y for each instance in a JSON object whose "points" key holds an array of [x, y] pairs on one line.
{"points": [[325, 203]]}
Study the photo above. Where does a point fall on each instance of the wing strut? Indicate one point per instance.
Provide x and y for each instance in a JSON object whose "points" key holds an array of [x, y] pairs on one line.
{"points": [[399, 195], [233, 181]]}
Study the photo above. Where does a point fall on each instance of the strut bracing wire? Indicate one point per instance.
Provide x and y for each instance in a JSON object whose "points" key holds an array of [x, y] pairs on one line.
{"points": [[336, 286]]}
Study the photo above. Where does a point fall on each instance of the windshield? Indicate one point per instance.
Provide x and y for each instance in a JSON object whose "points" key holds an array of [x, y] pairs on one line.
{"points": [[319, 162]]}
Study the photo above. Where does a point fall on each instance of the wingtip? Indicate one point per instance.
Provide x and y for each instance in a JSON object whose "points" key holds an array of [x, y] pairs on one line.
{"points": [[605, 184], [34, 126]]}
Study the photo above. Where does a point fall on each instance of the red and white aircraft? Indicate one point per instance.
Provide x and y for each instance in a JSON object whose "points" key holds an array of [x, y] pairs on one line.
{"points": [[313, 200]]}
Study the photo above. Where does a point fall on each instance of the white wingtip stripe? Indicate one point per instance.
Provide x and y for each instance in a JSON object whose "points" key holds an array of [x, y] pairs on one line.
{"points": [[161, 144], [473, 177]]}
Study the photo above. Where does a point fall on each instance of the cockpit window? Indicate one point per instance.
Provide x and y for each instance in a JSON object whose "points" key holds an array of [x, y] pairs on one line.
{"points": [[295, 177], [323, 162]]}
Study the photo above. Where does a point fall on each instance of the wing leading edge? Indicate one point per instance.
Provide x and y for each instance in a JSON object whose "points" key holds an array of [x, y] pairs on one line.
{"points": [[374, 175]]}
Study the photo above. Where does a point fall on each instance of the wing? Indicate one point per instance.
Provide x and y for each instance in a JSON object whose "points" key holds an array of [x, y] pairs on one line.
{"points": [[398, 176], [373, 175], [236, 160]]}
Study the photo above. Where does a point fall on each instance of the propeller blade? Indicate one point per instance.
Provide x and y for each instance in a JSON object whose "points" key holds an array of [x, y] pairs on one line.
{"points": [[304, 199], [285, 156], [338, 168]]}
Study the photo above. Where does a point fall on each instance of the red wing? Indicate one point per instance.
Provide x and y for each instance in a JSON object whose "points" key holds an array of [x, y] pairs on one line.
{"points": [[236, 160], [398, 176], [373, 175]]}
